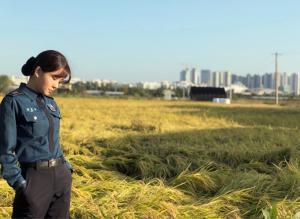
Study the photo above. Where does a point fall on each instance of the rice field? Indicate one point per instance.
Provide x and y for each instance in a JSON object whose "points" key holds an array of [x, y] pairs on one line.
{"points": [[179, 159]]}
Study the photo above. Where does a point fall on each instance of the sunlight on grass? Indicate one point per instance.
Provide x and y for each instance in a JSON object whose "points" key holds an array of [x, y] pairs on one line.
{"points": [[178, 159]]}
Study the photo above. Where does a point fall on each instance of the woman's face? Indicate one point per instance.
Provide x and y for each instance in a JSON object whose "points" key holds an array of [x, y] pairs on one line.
{"points": [[47, 82]]}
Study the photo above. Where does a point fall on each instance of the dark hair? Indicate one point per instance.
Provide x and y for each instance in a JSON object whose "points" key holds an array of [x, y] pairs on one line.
{"points": [[48, 61]]}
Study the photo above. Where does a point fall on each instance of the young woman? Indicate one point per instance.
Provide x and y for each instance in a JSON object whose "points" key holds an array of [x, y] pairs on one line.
{"points": [[31, 157]]}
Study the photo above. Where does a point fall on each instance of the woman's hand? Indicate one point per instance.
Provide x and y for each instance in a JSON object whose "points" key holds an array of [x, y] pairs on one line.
{"points": [[21, 187]]}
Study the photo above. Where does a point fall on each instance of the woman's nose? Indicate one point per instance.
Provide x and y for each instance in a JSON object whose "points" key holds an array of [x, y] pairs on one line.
{"points": [[55, 85]]}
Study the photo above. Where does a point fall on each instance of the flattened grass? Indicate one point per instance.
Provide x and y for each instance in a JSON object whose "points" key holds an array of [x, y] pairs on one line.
{"points": [[178, 159]]}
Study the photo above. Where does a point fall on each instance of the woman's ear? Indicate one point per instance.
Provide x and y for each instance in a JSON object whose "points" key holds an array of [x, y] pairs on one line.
{"points": [[37, 72]]}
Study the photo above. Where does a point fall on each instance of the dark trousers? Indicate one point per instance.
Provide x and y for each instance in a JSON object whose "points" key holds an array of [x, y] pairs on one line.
{"points": [[47, 194]]}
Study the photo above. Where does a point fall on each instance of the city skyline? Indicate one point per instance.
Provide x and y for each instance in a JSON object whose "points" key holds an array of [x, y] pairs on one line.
{"points": [[249, 84], [147, 41], [288, 83]]}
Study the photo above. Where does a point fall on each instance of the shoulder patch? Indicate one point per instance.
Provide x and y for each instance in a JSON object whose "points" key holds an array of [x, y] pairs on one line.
{"points": [[14, 93], [49, 97]]}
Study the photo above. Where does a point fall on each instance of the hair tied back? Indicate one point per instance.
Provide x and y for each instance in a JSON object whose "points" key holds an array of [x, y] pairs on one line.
{"points": [[28, 67]]}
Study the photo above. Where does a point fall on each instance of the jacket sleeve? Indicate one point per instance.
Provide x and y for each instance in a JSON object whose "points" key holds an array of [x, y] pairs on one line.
{"points": [[10, 169]]}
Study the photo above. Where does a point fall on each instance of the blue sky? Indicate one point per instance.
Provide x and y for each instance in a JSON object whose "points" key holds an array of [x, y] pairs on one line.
{"points": [[131, 40]]}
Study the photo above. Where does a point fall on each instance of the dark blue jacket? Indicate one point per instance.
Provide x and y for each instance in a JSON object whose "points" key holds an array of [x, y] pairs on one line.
{"points": [[29, 131]]}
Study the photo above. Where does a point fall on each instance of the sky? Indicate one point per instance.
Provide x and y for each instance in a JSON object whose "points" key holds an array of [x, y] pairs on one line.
{"points": [[139, 40]]}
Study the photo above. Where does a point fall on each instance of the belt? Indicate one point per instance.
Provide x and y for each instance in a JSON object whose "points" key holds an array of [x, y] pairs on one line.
{"points": [[44, 163]]}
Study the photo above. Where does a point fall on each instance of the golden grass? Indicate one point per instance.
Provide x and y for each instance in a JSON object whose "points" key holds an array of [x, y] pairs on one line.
{"points": [[100, 192]]}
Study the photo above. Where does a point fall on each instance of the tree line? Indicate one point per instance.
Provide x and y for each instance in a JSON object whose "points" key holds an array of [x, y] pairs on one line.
{"points": [[80, 88], [5, 84]]}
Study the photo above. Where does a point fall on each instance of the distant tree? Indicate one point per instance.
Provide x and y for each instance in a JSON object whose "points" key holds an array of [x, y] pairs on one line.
{"points": [[125, 89], [156, 92], [79, 88], [91, 85], [5, 82], [108, 87], [178, 92]]}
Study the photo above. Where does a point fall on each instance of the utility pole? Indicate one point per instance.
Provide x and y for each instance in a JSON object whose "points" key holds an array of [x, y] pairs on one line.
{"points": [[230, 93], [276, 77]]}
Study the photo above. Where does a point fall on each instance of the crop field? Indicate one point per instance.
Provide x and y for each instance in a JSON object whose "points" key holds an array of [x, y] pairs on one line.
{"points": [[179, 159]]}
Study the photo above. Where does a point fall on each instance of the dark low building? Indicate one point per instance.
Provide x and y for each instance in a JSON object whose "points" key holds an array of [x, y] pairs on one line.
{"points": [[207, 93]]}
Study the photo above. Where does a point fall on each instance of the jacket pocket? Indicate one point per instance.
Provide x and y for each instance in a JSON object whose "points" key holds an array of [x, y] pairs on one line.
{"points": [[36, 123]]}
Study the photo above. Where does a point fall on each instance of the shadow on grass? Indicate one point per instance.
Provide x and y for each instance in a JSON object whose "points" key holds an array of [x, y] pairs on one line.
{"points": [[213, 164], [167, 155]]}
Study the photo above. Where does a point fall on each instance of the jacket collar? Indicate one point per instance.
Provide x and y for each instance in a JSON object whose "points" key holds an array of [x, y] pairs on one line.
{"points": [[29, 92]]}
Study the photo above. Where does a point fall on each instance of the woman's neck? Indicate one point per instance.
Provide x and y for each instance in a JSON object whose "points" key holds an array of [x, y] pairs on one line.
{"points": [[31, 85]]}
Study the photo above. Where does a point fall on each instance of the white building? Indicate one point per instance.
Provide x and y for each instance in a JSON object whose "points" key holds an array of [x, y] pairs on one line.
{"points": [[166, 84], [221, 79], [75, 80], [194, 76], [216, 79], [238, 88], [17, 80], [103, 82], [227, 78], [149, 85], [168, 94], [182, 84]]}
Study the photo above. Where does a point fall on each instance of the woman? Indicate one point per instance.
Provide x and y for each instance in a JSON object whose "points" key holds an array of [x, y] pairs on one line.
{"points": [[31, 157]]}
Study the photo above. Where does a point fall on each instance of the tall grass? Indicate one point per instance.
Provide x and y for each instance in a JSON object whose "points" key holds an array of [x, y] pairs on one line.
{"points": [[178, 159]]}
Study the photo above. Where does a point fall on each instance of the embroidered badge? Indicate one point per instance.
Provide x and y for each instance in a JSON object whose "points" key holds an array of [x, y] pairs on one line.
{"points": [[51, 107], [31, 109], [14, 93]]}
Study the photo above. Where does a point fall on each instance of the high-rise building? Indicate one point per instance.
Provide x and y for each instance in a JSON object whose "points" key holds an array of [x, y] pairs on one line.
{"points": [[249, 81], [279, 80], [221, 79], [194, 76], [185, 75], [216, 79], [284, 79], [257, 81], [295, 86], [290, 80], [287, 83], [243, 80], [268, 81], [227, 78], [199, 79], [206, 77], [234, 79]]}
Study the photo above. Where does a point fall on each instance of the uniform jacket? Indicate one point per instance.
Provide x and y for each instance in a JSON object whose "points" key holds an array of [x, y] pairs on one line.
{"points": [[29, 131]]}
